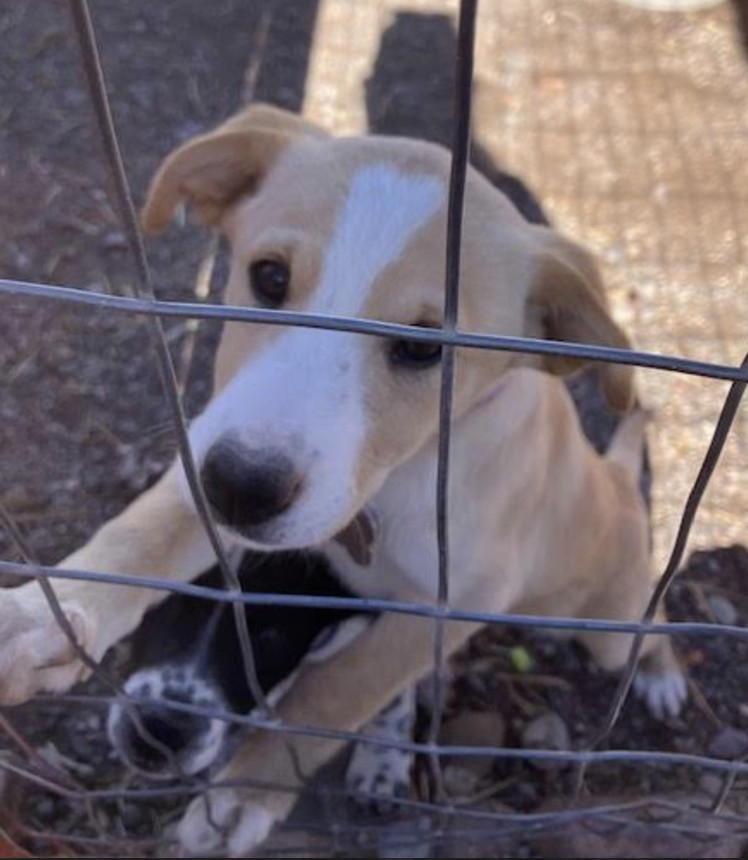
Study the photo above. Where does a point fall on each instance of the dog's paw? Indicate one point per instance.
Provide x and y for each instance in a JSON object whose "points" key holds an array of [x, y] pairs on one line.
{"points": [[664, 693], [35, 654], [228, 822], [376, 777]]}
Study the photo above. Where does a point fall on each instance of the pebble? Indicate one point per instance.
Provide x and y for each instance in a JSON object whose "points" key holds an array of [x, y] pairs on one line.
{"points": [[459, 782], [133, 816], [724, 612], [711, 784], [114, 241], [473, 729], [729, 743], [45, 809], [548, 732]]}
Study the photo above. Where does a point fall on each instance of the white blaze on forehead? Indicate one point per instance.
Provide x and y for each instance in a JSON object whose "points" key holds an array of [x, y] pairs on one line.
{"points": [[383, 210], [304, 393]]}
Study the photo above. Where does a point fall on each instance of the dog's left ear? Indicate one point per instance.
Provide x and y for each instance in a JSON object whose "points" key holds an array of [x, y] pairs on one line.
{"points": [[567, 300], [213, 171]]}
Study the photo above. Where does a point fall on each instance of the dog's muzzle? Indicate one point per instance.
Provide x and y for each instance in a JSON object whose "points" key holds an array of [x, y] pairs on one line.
{"points": [[158, 740], [248, 487]]}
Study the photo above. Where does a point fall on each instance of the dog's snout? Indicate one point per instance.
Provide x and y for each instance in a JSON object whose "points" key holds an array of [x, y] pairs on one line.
{"points": [[159, 737], [248, 487], [160, 741]]}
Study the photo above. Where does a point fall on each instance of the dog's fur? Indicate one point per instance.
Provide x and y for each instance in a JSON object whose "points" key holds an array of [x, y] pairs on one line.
{"points": [[538, 521], [187, 650]]}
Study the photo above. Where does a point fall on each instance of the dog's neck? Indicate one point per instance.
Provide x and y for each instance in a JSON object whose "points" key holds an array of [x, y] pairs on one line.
{"points": [[490, 395], [404, 545]]}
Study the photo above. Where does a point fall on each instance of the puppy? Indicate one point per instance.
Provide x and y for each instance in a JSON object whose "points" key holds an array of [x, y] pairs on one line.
{"points": [[309, 428], [172, 663], [187, 650]]}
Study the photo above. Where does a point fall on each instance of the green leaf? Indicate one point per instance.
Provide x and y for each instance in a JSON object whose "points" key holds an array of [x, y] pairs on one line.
{"points": [[521, 659]]}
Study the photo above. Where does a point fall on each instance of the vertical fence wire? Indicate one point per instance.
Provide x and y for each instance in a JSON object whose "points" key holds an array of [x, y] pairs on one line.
{"points": [[458, 176]]}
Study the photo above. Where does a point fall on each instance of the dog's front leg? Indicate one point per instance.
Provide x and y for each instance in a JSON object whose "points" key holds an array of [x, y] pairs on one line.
{"points": [[158, 535], [342, 694]]}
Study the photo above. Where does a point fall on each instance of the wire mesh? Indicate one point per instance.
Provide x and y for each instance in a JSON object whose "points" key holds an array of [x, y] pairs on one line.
{"points": [[57, 780]]}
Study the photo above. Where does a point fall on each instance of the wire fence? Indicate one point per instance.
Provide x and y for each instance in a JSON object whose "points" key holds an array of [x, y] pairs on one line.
{"points": [[447, 820]]}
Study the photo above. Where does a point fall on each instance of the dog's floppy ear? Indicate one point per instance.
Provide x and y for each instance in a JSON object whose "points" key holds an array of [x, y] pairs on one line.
{"points": [[567, 298], [214, 170]]}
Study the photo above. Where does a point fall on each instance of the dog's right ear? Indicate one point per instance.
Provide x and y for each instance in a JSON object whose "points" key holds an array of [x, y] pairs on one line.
{"points": [[212, 171]]}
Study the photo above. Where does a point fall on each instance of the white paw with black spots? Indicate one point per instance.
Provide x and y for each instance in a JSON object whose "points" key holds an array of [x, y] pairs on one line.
{"points": [[664, 693], [378, 775], [224, 822]]}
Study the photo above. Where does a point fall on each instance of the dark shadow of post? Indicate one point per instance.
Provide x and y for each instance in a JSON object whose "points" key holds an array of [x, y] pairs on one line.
{"points": [[282, 76], [410, 92], [740, 8]]}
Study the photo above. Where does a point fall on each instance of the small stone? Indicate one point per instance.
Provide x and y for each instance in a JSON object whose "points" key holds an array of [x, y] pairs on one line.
{"points": [[21, 261], [45, 809], [724, 612], [459, 782], [547, 732], [114, 241], [525, 795], [729, 743], [473, 729], [133, 816], [711, 784]]}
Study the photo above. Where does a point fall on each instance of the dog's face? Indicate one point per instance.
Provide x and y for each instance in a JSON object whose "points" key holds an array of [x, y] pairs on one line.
{"points": [[306, 425]]}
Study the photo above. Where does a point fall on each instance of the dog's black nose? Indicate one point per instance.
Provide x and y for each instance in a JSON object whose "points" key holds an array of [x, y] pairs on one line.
{"points": [[247, 487], [158, 739]]}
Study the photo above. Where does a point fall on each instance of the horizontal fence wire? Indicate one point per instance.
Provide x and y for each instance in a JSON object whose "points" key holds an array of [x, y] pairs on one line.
{"points": [[377, 328], [451, 338], [455, 207], [370, 604]]}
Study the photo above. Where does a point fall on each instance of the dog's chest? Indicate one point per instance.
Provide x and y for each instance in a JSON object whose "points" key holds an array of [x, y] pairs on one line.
{"points": [[404, 561], [496, 485]]}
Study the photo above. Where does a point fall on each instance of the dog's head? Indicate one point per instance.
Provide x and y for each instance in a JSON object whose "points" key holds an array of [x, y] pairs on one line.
{"points": [[306, 425]]}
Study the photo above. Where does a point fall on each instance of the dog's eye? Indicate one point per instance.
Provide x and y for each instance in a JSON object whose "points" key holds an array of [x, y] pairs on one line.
{"points": [[270, 280], [416, 354]]}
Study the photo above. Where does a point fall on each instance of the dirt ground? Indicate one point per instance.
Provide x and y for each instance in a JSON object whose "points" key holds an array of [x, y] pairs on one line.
{"points": [[554, 677], [630, 124]]}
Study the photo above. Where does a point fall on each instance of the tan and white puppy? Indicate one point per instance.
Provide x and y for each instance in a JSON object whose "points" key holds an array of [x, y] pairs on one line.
{"points": [[308, 428]]}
